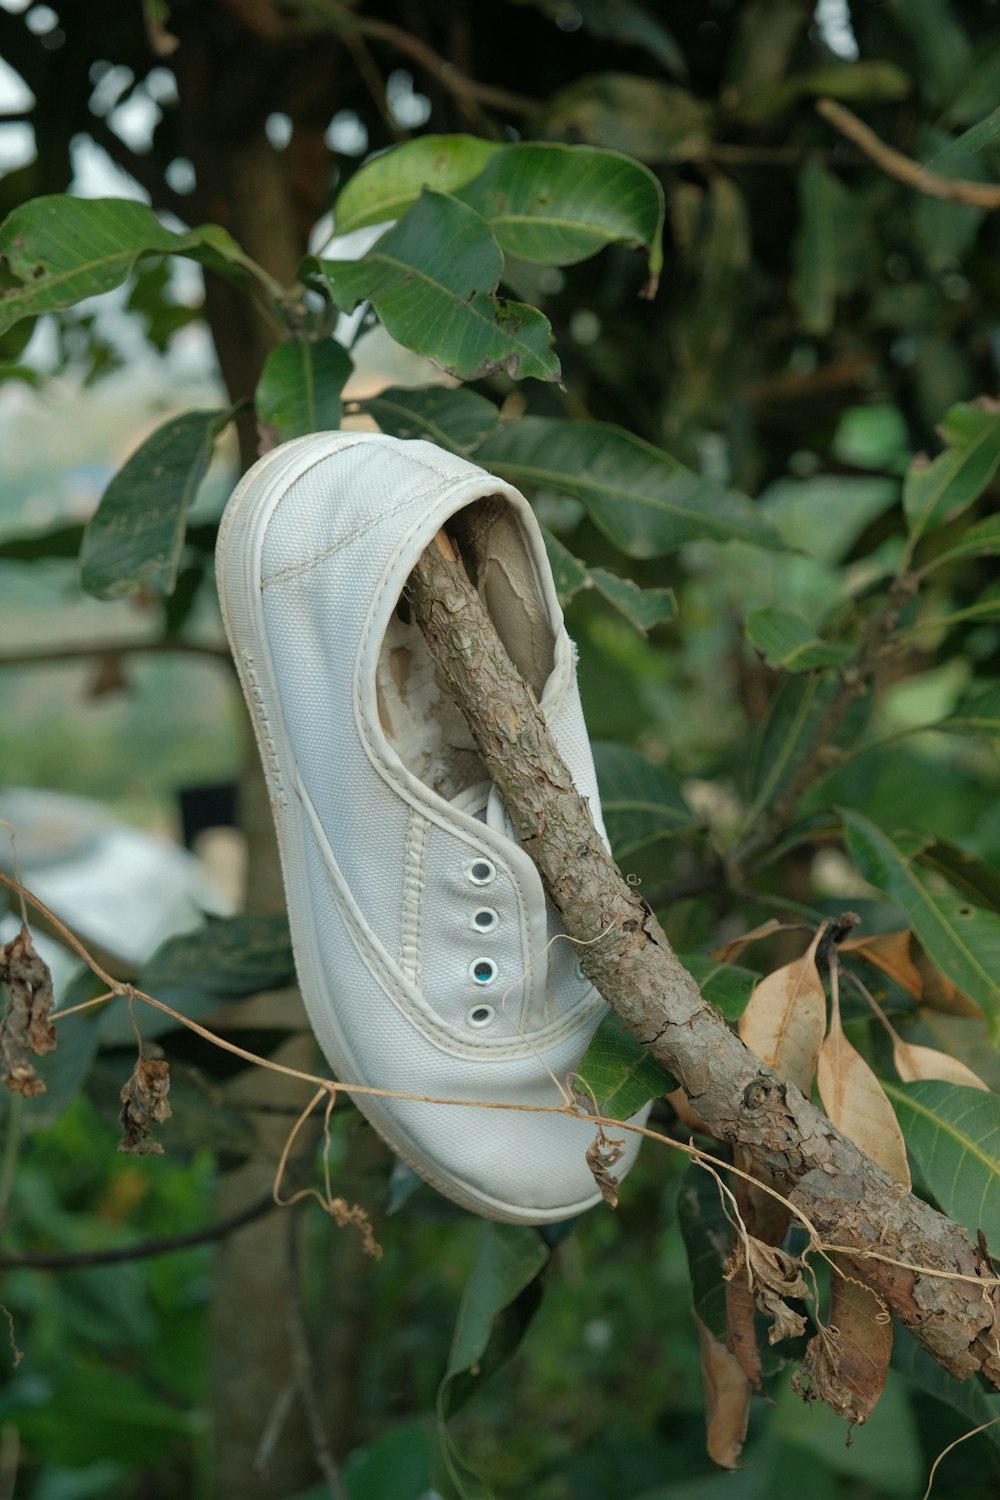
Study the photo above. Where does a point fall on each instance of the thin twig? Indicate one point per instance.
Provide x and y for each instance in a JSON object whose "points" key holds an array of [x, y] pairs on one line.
{"points": [[304, 1372], [69, 1260], [895, 164], [75, 651]]}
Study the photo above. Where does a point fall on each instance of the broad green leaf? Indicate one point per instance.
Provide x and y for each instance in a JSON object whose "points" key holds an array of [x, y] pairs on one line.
{"points": [[872, 79], [621, 21], [501, 1297], [620, 1072], [962, 939], [979, 713], [986, 133], [935, 492], [707, 1233], [641, 117], [64, 249], [986, 607], [793, 716], [640, 802], [230, 957], [642, 499], [395, 1465], [968, 1397], [432, 279], [973, 877], [643, 608], [299, 388], [92, 1416], [568, 573], [454, 419], [833, 247], [942, 47], [785, 640], [136, 536], [726, 986], [556, 205], [824, 516], [981, 540], [953, 1134], [384, 187]]}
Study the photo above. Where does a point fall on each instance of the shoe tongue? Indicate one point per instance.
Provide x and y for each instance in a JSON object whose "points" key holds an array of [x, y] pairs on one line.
{"points": [[484, 802]]}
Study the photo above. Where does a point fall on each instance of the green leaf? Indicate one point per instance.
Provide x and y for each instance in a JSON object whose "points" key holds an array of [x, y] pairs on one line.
{"points": [[935, 492], [979, 713], [646, 502], [785, 640], [726, 986], [432, 279], [643, 608], [985, 133], [981, 540], [968, 1397], [501, 1297], [707, 1235], [640, 802], [638, 116], [396, 1465], [793, 716], [556, 205], [973, 877], [568, 573], [962, 939], [954, 1135], [299, 388], [64, 249], [620, 1072], [872, 79], [384, 187], [454, 419], [833, 247], [136, 536]]}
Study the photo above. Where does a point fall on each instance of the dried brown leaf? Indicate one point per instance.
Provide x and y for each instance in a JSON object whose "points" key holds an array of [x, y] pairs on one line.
{"points": [[741, 1308], [25, 1028], [727, 1399], [902, 957], [775, 1276], [856, 1103], [783, 1024], [730, 952], [847, 1363], [602, 1155], [913, 1063], [144, 1104]]}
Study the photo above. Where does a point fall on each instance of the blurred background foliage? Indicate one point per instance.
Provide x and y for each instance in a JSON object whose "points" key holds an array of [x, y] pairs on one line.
{"points": [[816, 319]]}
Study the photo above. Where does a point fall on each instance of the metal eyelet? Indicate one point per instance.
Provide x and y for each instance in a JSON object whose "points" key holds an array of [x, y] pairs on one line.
{"points": [[480, 1016], [581, 972], [483, 970], [481, 871], [485, 919]]}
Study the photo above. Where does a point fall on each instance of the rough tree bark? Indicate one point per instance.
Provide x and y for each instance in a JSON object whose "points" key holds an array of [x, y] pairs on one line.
{"points": [[942, 1287]]}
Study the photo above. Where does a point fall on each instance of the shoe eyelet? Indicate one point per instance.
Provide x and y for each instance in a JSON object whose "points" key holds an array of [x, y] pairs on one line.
{"points": [[485, 919], [483, 970], [481, 871], [581, 972], [480, 1016]]}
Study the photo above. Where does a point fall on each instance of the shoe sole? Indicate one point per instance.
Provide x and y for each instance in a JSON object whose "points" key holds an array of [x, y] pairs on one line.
{"points": [[240, 543]]}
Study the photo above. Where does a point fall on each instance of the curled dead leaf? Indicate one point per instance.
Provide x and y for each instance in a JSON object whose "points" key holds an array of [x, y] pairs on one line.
{"points": [[729, 952], [604, 1153], [775, 1276], [144, 1104], [25, 1028], [856, 1103], [902, 957]]}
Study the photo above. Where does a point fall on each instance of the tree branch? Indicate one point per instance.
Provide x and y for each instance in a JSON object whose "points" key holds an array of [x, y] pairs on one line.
{"points": [[46, 656], [904, 168], [71, 1260], [923, 1265]]}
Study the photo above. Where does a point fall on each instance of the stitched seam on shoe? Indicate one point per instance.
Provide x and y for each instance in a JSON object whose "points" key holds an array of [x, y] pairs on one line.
{"points": [[412, 913], [297, 570]]}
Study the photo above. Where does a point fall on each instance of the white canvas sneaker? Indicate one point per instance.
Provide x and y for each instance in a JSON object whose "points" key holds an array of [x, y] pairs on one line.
{"points": [[421, 930]]}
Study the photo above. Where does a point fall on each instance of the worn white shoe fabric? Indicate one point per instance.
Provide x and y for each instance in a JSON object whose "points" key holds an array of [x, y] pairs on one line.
{"points": [[421, 930]]}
